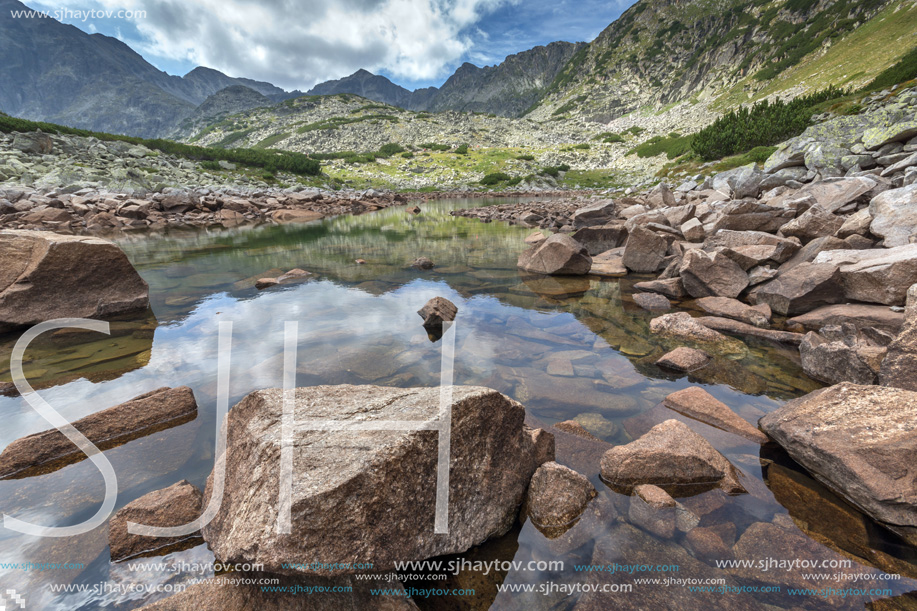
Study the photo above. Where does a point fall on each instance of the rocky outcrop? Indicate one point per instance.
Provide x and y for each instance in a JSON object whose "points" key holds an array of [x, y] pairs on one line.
{"points": [[370, 495], [44, 276], [670, 455], [860, 442], [559, 255], [141, 416], [859, 315], [176, 505]]}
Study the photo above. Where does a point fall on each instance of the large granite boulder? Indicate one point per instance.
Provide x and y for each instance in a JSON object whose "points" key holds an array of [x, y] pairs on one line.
{"points": [[899, 367], [835, 193], [726, 238], [758, 316], [672, 456], [559, 255], [44, 276], [739, 182], [598, 213], [860, 441], [369, 496], [601, 239], [816, 222], [894, 215], [706, 274], [644, 251], [842, 356], [882, 275], [805, 287], [695, 402], [859, 315], [750, 215]]}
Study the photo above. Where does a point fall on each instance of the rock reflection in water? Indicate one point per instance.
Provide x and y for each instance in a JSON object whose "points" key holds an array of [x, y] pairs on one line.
{"points": [[569, 349]]}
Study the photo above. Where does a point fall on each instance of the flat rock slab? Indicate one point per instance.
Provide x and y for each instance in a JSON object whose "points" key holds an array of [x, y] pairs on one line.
{"points": [[141, 416], [881, 275], [176, 505], [44, 276], [697, 403], [370, 495], [672, 456], [726, 325], [758, 316], [860, 441], [859, 315]]}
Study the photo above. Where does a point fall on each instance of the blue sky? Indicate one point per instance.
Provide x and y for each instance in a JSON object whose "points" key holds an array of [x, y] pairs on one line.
{"points": [[297, 43]]}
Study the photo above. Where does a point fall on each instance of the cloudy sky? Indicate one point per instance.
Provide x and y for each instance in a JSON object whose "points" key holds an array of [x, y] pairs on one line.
{"points": [[297, 43]]}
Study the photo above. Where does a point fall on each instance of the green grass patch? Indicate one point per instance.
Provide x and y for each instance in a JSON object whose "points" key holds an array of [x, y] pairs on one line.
{"points": [[904, 70], [495, 178], [671, 147], [272, 140]]}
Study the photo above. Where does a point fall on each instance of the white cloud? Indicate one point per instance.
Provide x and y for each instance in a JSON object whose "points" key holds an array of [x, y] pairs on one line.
{"points": [[295, 44]]}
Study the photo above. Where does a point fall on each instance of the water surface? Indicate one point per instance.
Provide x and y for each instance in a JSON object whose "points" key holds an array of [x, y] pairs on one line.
{"points": [[574, 348]]}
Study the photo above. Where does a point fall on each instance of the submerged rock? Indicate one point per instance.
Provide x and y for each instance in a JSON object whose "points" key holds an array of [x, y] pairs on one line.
{"points": [[684, 359], [143, 415], [860, 441], [176, 505], [44, 276], [369, 496]]}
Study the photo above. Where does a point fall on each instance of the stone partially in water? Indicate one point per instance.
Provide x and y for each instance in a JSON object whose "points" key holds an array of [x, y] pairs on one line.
{"points": [[143, 415], [44, 276], [557, 496], [670, 455], [370, 495], [176, 505], [697, 403], [559, 255], [437, 311], [860, 441]]}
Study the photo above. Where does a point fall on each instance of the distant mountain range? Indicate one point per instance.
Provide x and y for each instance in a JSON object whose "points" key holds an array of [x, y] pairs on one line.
{"points": [[57, 73], [659, 53], [507, 89]]}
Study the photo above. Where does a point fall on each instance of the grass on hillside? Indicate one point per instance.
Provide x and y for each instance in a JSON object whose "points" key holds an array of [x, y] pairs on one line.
{"points": [[271, 160]]}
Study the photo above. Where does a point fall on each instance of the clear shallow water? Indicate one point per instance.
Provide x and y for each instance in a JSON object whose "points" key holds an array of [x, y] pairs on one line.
{"points": [[566, 348]]}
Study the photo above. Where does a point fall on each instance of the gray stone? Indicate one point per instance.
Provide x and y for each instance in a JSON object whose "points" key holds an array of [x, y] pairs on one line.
{"points": [[645, 251], [805, 287], [559, 255], [369, 496], [706, 275], [894, 215]]}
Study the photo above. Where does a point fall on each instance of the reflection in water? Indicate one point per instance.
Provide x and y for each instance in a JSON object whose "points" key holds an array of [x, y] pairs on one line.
{"points": [[573, 348]]}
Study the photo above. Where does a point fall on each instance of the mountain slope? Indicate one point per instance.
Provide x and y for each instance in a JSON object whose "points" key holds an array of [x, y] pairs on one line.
{"points": [[55, 72], [509, 88], [368, 85], [665, 51]]}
